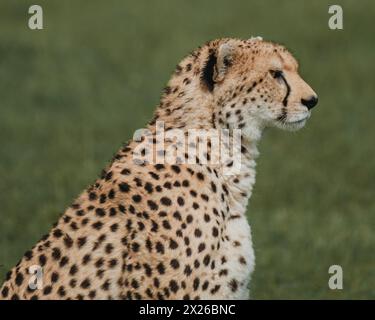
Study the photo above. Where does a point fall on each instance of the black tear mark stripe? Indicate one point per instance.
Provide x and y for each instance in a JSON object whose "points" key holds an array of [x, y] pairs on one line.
{"points": [[285, 100]]}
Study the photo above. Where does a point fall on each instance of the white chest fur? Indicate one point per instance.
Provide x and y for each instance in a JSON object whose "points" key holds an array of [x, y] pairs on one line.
{"points": [[237, 247]]}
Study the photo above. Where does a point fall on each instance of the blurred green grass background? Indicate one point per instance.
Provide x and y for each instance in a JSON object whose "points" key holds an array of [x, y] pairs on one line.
{"points": [[73, 92]]}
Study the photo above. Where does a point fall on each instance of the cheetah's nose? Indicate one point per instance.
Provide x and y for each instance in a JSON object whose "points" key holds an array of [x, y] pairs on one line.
{"points": [[310, 103]]}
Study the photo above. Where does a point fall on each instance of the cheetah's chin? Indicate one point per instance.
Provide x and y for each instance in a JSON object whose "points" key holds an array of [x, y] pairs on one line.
{"points": [[292, 126]]}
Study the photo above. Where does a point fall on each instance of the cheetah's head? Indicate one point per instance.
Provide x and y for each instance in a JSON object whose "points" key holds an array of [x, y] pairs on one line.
{"points": [[256, 84]]}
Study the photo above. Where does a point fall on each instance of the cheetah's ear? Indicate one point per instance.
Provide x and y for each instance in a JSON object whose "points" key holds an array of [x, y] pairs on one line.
{"points": [[216, 65], [225, 55]]}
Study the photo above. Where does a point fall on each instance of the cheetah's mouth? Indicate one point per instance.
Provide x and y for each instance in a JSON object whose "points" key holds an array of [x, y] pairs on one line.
{"points": [[297, 121], [295, 125], [291, 125]]}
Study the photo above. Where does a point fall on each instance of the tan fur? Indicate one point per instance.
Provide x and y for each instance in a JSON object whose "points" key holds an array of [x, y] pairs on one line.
{"points": [[145, 231]]}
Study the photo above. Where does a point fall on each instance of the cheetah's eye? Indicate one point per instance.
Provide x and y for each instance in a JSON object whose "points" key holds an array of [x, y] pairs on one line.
{"points": [[277, 74]]}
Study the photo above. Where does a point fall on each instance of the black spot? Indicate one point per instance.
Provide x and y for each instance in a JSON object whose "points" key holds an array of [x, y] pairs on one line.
{"points": [[73, 270], [19, 279], [54, 277], [28, 255], [204, 197], [112, 212], [67, 219], [99, 263], [160, 267], [47, 290], [173, 244], [223, 272], [61, 291], [215, 289], [5, 291], [97, 225], [86, 259], [74, 226], [64, 260], [177, 216], [168, 185], [100, 212], [206, 260], [105, 285], [154, 175], [233, 285], [112, 263], [155, 226], [111, 194], [114, 227], [173, 286], [108, 176], [141, 225], [138, 182], [186, 183], [180, 201], [166, 225], [193, 193], [57, 233], [81, 241], [200, 176], [135, 246], [73, 283], [148, 187], [159, 247], [152, 205], [196, 284], [135, 284], [189, 218], [215, 232], [79, 213], [201, 247], [176, 168], [56, 253], [197, 233], [122, 208], [92, 196], [125, 172], [177, 184], [205, 285], [103, 198], [188, 270], [85, 283], [196, 263], [137, 198], [166, 201], [124, 187], [159, 166], [175, 264]]}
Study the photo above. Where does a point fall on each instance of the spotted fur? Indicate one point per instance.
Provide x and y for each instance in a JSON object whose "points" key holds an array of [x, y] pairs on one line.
{"points": [[174, 231]]}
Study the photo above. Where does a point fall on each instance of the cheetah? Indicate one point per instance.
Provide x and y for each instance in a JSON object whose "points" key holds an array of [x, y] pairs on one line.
{"points": [[147, 230]]}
